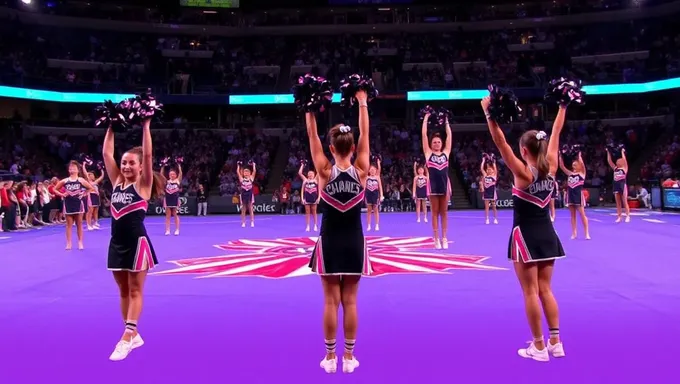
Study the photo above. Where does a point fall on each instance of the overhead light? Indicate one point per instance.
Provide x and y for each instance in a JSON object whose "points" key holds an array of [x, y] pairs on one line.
{"points": [[209, 11], [27, 2]]}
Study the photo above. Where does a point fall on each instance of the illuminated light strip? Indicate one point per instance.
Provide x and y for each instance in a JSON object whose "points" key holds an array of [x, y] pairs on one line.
{"points": [[81, 97]]}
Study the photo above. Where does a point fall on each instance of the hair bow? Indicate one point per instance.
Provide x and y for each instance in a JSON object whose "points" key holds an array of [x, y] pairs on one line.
{"points": [[345, 129], [541, 135]]}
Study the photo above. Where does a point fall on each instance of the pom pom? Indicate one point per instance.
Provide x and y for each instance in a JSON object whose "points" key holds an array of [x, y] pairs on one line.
{"points": [[312, 94], [427, 110], [179, 160], [616, 150], [101, 165], [87, 160], [564, 92], [353, 83], [145, 106], [503, 108], [571, 151], [489, 157], [113, 115], [438, 116]]}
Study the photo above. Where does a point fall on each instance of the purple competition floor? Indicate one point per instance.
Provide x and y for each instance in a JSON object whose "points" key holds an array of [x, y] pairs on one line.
{"points": [[237, 305]]}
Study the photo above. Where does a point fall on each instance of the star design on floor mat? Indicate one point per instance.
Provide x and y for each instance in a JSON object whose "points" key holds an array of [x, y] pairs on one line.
{"points": [[289, 257]]}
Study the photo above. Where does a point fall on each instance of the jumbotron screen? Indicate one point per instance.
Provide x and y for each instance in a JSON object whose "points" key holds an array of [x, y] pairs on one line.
{"points": [[210, 3]]}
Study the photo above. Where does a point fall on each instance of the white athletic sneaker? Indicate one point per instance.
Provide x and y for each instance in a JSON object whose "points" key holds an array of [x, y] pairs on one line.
{"points": [[556, 350], [627, 219], [487, 221], [137, 341], [437, 244], [89, 228], [377, 227], [418, 221], [243, 225], [425, 219], [176, 232], [307, 229], [167, 233], [252, 224], [348, 366], [495, 221], [618, 220], [368, 228], [445, 243], [532, 353], [315, 228], [123, 349], [330, 366]]}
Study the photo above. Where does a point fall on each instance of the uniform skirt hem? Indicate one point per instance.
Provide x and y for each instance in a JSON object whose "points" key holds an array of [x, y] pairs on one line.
{"points": [[170, 206], [489, 199], [129, 270], [341, 274], [538, 260], [305, 203]]}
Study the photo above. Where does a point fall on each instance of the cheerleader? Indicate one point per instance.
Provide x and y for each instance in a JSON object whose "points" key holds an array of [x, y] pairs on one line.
{"points": [[131, 254], [74, 186], [554, 197], [437, 156], [171, 201], [245, 179], [374, 195], [310, 196], [575, 199], [420, 182], [340, 256], [620, 187], [534, 244], [92, 215], [489, 178]]}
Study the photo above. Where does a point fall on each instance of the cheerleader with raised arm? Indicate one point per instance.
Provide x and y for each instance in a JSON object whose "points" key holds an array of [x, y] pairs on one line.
{"points": [[245, 179], [620, 168], [575, 199], [420, 183], [310, 196], [374, 195], [171, 201], [437, 153], [92, 215], [489, 180], [534, 245], [74, 187]]}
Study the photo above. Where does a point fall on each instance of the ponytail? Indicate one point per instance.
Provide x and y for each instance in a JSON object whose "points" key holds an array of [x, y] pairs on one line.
{"points": [[158, 186], [542, 164]]}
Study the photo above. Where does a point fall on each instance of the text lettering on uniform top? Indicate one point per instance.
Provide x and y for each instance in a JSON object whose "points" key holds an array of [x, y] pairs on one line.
{"points": [[122, 198], [541, 186], [343, 187]]}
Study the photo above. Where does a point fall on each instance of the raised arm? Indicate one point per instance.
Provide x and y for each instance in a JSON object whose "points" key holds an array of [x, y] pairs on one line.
{"points": [[516, 165], [554, 143], [449, 139], [377, 163], [582, 163], [423, 137], [625, 160], [363, 161], [110, 165], [609, 159], [302, 176], [146, 181], [238, 172], [179, 172], [563, 168], [99, 179], [414, 188], [84, 169], [495, 169], [481, 167], [321, 163], [415, 170]]}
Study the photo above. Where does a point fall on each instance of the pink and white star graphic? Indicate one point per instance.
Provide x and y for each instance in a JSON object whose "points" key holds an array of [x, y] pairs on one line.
{"points": [[289, 257]]}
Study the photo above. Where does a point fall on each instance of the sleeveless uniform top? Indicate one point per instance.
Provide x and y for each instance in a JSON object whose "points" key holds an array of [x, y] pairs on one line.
{"points": [[421, 187], [619, 180], [310, 193], [94, 196], [73, 203], [372, 190], [438, 169], [172, 189], [247, 190], [130, 248], [533, 236], [341, 247], [490, 188], [575, 196]]}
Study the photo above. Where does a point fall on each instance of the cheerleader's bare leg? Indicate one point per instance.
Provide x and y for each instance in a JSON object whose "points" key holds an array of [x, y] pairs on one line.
{"points": [[308, 212], [550, 307], [486, 210], [79, 229], [244, 209], [617, 198], [376, 211], [316, 217], [572, 213], [332, 299], [527, 274], [495, 211], [369, 214], [624, 202], [69, 231], [175, 212], [418, 210], [444, 214], [424, 204], [168, 214], [434, 206], [584, 220], [251, 207], [349, 287]]}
